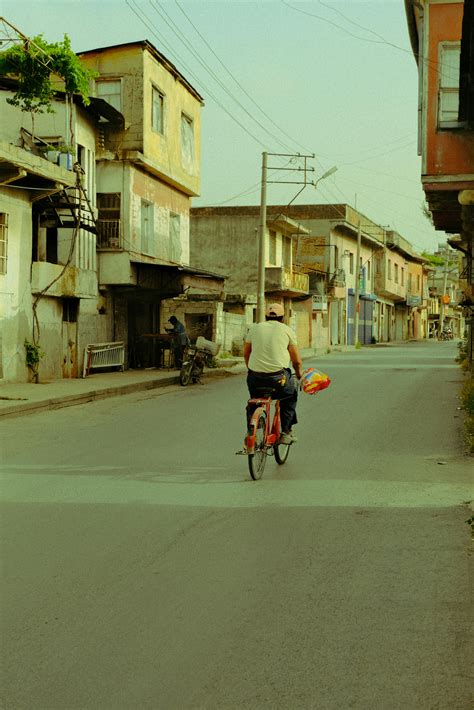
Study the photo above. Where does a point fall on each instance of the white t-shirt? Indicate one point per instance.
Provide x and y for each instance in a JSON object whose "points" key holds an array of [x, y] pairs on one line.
{"points": [[270, 341]]}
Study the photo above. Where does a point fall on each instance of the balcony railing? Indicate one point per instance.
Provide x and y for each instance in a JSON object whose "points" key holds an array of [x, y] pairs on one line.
{"points": [[281, 278], [109, 234]]}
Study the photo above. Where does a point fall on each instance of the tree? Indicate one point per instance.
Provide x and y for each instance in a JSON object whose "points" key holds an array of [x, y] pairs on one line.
{"points": [[34, 63]]}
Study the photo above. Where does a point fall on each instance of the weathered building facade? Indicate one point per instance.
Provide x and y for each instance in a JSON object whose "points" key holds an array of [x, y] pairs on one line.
{"points": [[442, 38], [226, 238], [147, 173], [47, 197]]}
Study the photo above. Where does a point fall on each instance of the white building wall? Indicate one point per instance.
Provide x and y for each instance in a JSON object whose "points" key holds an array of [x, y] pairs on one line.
{"points": [[15, 293]]}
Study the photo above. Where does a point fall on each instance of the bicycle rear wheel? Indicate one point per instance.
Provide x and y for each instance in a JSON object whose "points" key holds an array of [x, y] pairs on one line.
{"points": [[258, 459], [281, 452]]}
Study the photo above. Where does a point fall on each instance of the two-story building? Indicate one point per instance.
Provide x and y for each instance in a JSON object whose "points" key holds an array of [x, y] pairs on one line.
{"points": [[226, 238], [328, 254], [442, 37]]}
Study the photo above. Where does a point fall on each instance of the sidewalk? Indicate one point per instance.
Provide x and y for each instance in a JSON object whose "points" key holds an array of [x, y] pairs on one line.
{"points": [[17, 399]]}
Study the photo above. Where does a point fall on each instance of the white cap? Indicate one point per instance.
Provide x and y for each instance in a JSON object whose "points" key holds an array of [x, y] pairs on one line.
{"points": [[275, 309]]}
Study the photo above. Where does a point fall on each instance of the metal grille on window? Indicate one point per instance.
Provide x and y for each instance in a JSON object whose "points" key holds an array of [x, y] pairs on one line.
{"points": [[108, 222]]}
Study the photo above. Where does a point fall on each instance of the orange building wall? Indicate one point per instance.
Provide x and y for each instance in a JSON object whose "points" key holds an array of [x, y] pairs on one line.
{"points": [[448, 152]]}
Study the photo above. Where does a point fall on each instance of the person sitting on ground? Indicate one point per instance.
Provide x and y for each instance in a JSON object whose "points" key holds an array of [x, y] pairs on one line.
{"points": [[268, 347]]}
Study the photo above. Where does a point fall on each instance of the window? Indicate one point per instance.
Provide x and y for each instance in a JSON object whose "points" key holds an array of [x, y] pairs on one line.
{"points": [[70, 309], [110, 91], [448, 101], [108, 220], [3, 242], [272, 247], [396, 273], [175, 237], [157, 110], [368, 271], [287, 252], [403, 276], [418, 284], [351, 263], [146, 231], [409, 282], [187, 142], [389, 270]]}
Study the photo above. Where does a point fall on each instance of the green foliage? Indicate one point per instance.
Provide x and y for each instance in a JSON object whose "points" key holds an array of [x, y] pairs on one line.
{"points": [[433, 258], [34, 354], [467, 403], [34, 63]]}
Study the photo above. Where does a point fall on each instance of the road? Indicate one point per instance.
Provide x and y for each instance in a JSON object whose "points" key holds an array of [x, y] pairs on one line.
{"points": [[143, 569]]}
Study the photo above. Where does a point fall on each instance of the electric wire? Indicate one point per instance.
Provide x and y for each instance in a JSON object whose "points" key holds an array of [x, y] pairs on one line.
{"points": [[425, 60], [176, 31], [241, 87], [192, 74]]}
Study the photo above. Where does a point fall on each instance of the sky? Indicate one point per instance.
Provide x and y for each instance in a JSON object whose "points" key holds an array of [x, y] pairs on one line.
{"points": [[333, 78]]}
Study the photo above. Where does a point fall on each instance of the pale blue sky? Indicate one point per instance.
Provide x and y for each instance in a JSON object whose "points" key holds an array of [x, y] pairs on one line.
{"points": [[325, 72]]}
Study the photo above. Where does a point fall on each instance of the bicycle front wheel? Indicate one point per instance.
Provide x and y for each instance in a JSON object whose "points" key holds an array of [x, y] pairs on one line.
{"points": [[258, 459], [281, 452]]}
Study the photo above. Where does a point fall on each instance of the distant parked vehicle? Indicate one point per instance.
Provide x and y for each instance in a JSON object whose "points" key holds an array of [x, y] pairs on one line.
{"points": [[446, 334], [196, 357]]}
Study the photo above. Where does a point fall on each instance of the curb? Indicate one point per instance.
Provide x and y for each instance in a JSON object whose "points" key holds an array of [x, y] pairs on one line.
{"points": [[18, 410]]}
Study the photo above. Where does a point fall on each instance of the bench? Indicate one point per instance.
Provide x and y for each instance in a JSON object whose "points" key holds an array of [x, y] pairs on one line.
{"points": [[98, 355]]}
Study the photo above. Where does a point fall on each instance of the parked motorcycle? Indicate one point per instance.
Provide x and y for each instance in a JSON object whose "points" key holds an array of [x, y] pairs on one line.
{"points": [[195, 359], [446, 334]]}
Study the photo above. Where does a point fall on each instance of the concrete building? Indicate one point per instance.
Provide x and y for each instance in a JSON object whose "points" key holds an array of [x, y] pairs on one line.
{"points": [[329, 255], [49, 270], [147, 172], [226, 238], [442, 37]]}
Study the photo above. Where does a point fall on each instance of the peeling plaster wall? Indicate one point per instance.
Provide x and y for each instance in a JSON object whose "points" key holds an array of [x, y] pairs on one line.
{"points": [[15, 293]]}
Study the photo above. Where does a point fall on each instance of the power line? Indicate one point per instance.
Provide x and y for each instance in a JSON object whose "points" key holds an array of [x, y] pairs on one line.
{"points": [[242, 88], [151, 28], [181, 37], [382, 40]]}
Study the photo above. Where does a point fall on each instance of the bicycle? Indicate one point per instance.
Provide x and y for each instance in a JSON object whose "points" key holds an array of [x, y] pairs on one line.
{"points": [[263, 435]]}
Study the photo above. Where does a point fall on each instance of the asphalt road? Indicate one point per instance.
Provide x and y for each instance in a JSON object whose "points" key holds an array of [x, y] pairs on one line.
{"points": [[143, 569]]}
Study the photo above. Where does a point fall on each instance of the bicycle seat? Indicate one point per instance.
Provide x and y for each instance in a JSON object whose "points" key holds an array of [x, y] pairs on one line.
{"points": [[264, 392]]}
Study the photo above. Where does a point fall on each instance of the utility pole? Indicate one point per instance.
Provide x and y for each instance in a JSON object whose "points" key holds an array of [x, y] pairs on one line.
{"points": [[305, 169], [261, 243], [445, 283], [357, 287]]}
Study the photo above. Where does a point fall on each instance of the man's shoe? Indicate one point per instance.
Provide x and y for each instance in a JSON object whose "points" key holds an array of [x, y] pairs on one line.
{"points": [[287, 438]]}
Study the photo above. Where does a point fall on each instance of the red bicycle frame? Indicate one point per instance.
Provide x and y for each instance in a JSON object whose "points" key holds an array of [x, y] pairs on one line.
{"points": [[272, 430]]}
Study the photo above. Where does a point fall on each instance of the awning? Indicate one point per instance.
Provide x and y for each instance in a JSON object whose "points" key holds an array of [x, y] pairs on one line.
{"points": [[177, 279]]}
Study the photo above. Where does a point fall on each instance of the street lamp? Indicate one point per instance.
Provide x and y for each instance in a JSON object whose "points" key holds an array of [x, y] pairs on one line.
{"points": [[329, 172]]}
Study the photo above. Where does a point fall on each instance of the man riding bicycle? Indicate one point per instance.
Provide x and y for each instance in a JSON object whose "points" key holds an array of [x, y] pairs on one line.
{"points": [[268, 347]]}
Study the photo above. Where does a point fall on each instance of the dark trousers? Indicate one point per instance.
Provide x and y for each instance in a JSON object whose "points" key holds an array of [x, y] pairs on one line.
{"points": [[281, 386], [178, 351]]}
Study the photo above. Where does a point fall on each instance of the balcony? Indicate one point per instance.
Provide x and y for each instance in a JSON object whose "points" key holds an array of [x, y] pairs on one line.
{"points": [[282, 280], [109, 234]]}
